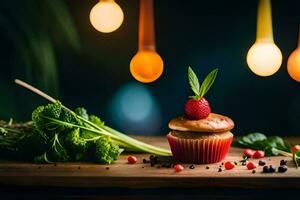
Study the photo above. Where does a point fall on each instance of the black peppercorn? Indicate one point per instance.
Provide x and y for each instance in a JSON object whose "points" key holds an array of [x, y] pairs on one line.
{"points": [[192, 166], [107, 168], [207, 167], [220, 169], [265, 169], [144, 160], [253, 171], [262, 162], [272, 169], [282, 168], [283, 162]]}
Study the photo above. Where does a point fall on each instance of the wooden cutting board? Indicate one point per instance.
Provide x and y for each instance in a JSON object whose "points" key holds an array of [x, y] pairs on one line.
{"points": [[140, 175]]}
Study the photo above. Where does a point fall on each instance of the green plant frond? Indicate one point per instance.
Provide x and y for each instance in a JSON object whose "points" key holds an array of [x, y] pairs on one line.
{"points": [[62, 18]]}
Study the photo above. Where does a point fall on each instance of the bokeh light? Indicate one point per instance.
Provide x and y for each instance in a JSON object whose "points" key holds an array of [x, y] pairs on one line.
{"points": [[134, 110], [146, 66], [294, 65], [264, 59], [106, 16]]}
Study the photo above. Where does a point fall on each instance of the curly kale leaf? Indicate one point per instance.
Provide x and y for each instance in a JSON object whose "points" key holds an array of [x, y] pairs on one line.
{"points": [[39, 122], [53, 118], [77, 145], [57, 152], [82, 112], [71, 136], [53, 110], [106, 151], [74, 141], [54, 153], [69, 117], [96, 120]]}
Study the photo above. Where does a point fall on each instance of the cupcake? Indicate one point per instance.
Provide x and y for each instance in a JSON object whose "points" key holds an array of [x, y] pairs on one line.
{"points": [[200, 141], [200, 136]]}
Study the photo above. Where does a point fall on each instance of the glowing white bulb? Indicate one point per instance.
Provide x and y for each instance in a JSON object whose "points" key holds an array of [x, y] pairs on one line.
{"points": [[106, 16], [264, 58]]}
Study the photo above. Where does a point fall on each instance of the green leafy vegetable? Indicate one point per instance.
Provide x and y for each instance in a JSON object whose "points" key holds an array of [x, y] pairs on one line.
{"points": [[106, 150], [20, 140], [72, 135], [200, 91], [82, 113], [69, 136], [259, 141], [272, 146]]}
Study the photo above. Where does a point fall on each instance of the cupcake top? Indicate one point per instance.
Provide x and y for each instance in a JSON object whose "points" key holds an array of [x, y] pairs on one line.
{"points": [[214, 123]]}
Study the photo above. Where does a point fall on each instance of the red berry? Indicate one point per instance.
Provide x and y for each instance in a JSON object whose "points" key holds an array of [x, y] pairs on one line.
{"points": [[197, 109], [249, 153], [251, 165], [132, 159], [259, 154], [295, 148], [178, 168], [229, 165]]}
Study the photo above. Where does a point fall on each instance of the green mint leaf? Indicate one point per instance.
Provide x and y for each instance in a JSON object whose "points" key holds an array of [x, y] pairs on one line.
{"points": [[194, 82], [207, 83]]}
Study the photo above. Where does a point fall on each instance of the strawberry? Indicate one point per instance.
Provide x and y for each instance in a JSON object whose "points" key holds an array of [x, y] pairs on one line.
{"points": [[258, 154], [229, 165], [249, 153], [251, 165], [295, 148], [197, 107], [178, 168]]}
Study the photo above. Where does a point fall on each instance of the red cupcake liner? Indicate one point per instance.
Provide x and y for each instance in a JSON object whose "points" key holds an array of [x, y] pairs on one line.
{"points": [[199, 151]]}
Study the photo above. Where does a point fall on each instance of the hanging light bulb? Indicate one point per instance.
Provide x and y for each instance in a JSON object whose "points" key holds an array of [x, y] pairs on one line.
{"points": [[106, 16], [147, 65], [264, 58], [293, 64]]}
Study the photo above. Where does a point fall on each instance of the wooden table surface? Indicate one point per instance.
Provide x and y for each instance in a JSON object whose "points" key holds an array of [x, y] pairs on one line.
{"points": [[140, 175]]}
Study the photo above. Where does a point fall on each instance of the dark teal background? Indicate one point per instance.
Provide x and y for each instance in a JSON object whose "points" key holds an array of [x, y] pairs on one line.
{"points": [[202, 34]]}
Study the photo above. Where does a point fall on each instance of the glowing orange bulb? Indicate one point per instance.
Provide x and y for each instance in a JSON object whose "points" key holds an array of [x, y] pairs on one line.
{"points": [[293, 64], [146, 66]]}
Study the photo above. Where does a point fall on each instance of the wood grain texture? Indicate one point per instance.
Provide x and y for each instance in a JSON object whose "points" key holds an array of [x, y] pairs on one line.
{"points": [[140, 175]]}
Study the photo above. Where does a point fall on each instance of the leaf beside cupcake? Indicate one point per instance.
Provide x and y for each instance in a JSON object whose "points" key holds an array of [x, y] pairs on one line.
{"points": [[200, 136]]}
